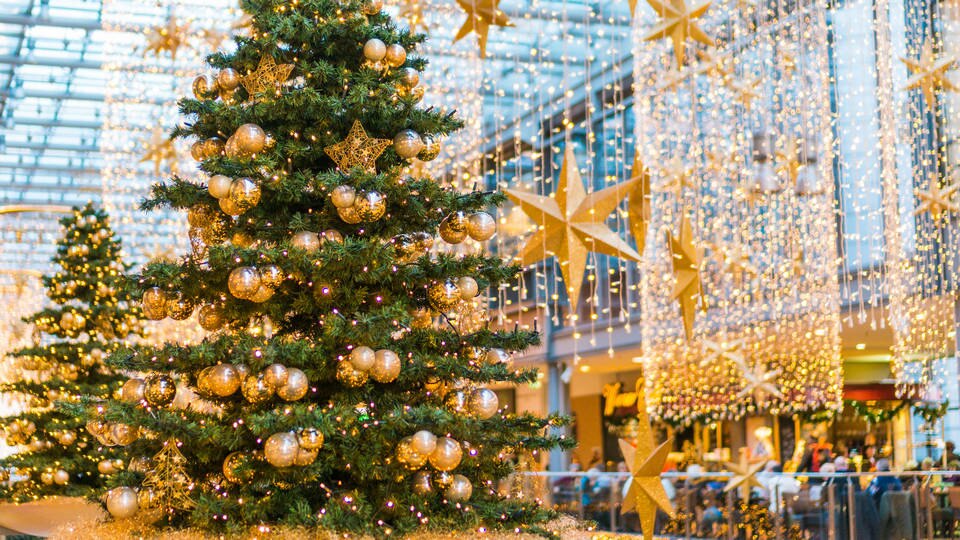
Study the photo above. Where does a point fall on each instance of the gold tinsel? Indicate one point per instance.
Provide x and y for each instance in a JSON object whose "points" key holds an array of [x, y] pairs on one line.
{"points": [[567, 527]]}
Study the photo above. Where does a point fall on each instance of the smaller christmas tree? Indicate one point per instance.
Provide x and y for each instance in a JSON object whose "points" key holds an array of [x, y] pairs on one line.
{"points": [[91, 319]]}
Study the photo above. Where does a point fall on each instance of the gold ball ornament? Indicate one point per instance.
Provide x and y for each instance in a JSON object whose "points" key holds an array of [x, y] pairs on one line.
{"points": [[61, 477], [421, 483], [496, 356], [362, 358], [443, 296], [250, 139], [276, 375], [232, 465], [305, 457], [210, 317], [422, 318], [271, 275], [407, 144], [331, 235], [67, 438], [133, 391], [306, 240], [147, 498], [159, 390], [343, 196], [241, 239], [263, 294], [123, 434], [369, 205], [219, 186], [198, 151], [311, 439], [230, 208], [122, 502], [106, 467], [481, 226], [453, 229], [280, 449], [245, 193], [447, 455], [243, 281], [46, 477], [424, 442], [483, 403], [408, 456], [255, 389], [140, 465], [372, 7], [458, 401], [396, 55], [374, 50], [204, 85], [431, 148], [350, 376], [468, 287], [295, 387], [222, 380], [409, 77], [349, 215], [154, 304], [213, 147], [386, 366], [442, 479], [460, 488], [228, 79]]}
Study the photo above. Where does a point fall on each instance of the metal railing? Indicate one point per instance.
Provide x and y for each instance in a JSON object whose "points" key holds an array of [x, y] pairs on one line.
{"points": [[838, 506]]}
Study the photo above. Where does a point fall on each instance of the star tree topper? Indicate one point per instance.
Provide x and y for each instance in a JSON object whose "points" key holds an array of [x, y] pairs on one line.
{"points": [[480, 15], [572, 224], [678, 22], [686, 258], [357, 150], [645, 462], [268, 75]]}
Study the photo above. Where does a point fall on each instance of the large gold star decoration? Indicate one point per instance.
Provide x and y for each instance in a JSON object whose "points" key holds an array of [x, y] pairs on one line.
{"points": [[758, 383], [746, 92], [744, 474], [269, 75], [789, 160], [480, 15], [168, 38], [937, 201], [686, 258], [412, 11], [638, 202], [645, 461], [213, 37], [573, 224], [357, 150], [929, 74], [678, 22], [160, 150], [719, 350]]}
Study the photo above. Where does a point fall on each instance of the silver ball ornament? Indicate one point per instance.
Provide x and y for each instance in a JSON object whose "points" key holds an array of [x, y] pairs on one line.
{"points": [[306, 240], [447, 455], [122, 502], [424, 442], [374, 50], [481, 226], [228, 79], [407, 144], [483, 403], [280, 449], [243, 281], [460, 488], [362, 358], [468, 287], [370, 205], [275, 375], [295, 387], [343, 196], [386, 366], [421, 483]]}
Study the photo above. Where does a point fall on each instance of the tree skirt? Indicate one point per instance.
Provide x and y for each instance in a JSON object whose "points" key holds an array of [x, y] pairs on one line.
{"points": [[42, 518]]}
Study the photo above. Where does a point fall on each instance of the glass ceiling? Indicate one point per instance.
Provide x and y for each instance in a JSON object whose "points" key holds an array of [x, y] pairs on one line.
{"points": [[55, 77]]}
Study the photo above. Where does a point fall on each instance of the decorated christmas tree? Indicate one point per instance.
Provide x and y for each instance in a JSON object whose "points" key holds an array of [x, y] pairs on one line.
{"points": [[337, 392], [91, 318]]}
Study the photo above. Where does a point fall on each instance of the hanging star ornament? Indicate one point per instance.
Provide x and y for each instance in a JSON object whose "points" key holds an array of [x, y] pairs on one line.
{"points": [[160, 150], [936, 200], [744, 474], [678, 22], [686, 258], [645, 461], [638, 202], [269, 75], [789, 160], [758, 383], [929, 73], [721, 349], [412, 11], [746, 92], [168, 38], [357, 150], [573, 224], [480, 15]]}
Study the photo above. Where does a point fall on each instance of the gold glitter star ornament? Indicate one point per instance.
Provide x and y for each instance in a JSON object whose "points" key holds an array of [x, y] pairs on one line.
{"points": [[645, 494], [573, 224], [678, 21], [168, 38], [744, 474], [268, 76], [929, 73], [357, 150], [480, 15], [686, 258], [160, 150]]}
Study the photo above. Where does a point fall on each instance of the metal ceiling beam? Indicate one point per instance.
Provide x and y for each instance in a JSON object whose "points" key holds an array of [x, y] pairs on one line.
{"points": [[78, 170], [50, 185], [77, 124], [52, 146], [55, 22], [21, 93]]}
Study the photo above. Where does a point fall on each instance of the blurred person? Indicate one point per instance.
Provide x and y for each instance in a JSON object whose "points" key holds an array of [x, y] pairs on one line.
{"points": [[776, 484], [882, 484]]}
